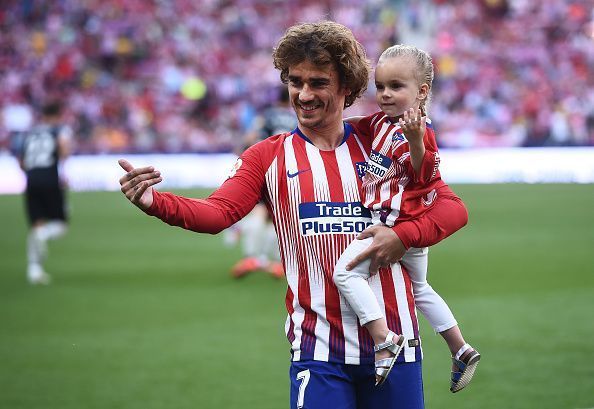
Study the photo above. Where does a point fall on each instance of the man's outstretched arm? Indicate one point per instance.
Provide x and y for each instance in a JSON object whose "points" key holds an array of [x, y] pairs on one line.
{"points": [[232, 201]]}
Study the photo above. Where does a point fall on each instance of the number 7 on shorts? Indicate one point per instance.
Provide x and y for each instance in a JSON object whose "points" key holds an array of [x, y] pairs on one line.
{"points": [[304, 376]]}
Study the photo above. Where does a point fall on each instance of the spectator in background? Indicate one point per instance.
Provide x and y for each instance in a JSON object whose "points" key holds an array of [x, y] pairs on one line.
{"points": [[41, 152]]}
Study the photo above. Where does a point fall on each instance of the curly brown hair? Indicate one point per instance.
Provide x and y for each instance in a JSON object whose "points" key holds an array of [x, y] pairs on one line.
{"points": [[324, 43]]}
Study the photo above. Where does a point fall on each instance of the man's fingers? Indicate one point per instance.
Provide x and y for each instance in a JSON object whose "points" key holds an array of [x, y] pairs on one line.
{"points": [[358, 259], [130, 184], [139, 191], [128, 177], [364, 234], [127, 166], [373, 268], [368, 232]]}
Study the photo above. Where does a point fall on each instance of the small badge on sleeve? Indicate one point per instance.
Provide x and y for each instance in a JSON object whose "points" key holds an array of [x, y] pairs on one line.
{"points": [[235, 168]]}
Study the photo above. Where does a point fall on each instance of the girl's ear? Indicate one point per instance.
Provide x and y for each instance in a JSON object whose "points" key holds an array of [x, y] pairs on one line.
{"points": [[423, 92]]}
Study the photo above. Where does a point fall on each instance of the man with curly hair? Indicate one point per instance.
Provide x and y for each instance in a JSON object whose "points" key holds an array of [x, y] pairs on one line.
{"points": [[309, 179]]}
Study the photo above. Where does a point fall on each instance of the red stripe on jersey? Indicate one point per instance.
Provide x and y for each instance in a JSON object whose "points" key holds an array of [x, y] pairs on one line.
{"points": [[391, 304]]}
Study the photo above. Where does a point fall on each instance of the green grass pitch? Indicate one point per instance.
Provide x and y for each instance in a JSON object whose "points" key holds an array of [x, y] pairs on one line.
{"points": [[143, 315]]}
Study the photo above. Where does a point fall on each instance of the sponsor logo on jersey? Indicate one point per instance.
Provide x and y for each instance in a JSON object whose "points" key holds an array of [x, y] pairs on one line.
{"points": [[293, 174], [378, 164], [333, 218], [235, 168]]}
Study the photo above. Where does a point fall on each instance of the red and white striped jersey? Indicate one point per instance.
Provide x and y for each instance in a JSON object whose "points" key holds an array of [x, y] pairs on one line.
{"points": [[390, 185], [313, 197]]}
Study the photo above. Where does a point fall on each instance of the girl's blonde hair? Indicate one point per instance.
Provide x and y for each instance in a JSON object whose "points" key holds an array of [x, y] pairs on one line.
{"points": [[424, 64]]}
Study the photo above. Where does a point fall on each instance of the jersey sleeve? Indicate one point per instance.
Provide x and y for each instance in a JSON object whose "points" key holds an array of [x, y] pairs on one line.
{"points": [[234, 199], [364, 127], [447, 215]]}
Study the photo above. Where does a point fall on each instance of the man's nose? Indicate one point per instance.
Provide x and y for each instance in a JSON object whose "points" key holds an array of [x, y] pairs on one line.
{"points": [[306, 94]]}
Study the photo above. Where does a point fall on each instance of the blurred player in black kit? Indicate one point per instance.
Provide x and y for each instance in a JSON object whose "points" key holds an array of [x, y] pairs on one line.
{"points": [[276, 119], [40, 152], [256, 231]]}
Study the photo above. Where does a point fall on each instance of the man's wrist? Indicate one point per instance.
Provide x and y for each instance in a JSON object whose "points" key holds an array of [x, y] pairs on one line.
{"points": [[407, 232]]}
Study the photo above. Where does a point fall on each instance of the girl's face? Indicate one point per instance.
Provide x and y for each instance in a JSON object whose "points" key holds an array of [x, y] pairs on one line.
{"points": [[397, 88]]}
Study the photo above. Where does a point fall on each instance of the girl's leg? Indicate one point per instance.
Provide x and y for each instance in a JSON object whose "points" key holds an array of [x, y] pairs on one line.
{"points": [[353, 284], [431, 305], [355, 289]]}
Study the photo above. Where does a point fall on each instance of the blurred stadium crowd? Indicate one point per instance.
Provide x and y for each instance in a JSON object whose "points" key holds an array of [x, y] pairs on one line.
{"points": [[190, 75]]}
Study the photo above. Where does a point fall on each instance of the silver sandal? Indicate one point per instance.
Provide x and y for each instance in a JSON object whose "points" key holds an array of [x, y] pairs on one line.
{"points": [[384, 366], [464, 372]]}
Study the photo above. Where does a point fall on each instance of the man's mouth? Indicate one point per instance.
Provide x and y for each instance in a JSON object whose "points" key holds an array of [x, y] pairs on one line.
{"points": [[309, 108]]}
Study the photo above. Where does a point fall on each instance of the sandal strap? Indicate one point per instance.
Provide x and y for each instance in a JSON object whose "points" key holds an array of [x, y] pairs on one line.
{"points": [[383, 363], [389, 343], [460, 365], [461, 351], [456, 376], [383, 374]]}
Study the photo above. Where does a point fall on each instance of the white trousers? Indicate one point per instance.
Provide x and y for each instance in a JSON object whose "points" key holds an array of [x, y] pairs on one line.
{"points": [[354, 287]]}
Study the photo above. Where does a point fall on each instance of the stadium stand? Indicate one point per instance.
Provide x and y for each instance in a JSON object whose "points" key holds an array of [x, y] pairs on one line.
{"points": [[189, 76]]}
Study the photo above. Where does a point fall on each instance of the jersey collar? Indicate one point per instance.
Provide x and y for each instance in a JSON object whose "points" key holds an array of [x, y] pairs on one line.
{"points": [[348, 129]]}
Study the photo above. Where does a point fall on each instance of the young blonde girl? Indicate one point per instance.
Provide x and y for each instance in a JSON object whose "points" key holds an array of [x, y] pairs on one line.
{"points": [[402, 183]]}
